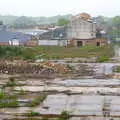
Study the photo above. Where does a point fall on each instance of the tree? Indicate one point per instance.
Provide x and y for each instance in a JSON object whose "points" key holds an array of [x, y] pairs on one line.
{"points": [[62, 22], [23, 22], [116, 22]]}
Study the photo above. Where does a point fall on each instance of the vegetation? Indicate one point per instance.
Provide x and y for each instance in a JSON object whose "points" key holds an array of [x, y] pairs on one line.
{"points": [[64, 115], [62, 22], [48, 52], [23, 22], [84, 52], [37, 100], [102, 59], [11, 82], [8, 101], [117, 69], [32, 113]]}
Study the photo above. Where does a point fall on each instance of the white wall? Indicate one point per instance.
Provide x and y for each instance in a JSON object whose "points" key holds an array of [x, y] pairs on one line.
{"points": [[14, 42], [53, 42]]}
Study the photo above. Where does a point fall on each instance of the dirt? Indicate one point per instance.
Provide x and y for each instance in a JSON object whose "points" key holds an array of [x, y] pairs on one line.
{"points": [[86, 90]]}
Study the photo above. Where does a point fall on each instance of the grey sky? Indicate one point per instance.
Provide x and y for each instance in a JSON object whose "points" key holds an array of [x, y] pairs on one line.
{"points": [[55, 7]]}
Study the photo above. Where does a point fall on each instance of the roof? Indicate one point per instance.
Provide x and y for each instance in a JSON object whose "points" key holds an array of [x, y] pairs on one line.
{"points": [[59, 33], [5, 36], [84, 16]]}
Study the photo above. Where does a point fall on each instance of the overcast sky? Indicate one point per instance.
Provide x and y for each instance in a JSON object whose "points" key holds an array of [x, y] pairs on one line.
{"points": [[55, 7]]}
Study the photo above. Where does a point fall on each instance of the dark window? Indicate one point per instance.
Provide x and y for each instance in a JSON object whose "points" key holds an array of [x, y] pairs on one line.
{"points": [[79, 43], [98, 43]]}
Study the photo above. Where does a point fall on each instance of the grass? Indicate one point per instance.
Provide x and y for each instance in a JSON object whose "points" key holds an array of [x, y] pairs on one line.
{"points": [[32, 113], [85, 52], [55, 52], [117, 69], [37, 100], [64, 115], [8, 101], [102, 59]]}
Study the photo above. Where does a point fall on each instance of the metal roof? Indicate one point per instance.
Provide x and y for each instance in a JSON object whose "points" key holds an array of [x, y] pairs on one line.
{"points": [[5, 36]]}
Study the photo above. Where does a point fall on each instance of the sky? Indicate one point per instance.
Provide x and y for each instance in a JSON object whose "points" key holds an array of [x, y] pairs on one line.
{"points": [[59, 7]]}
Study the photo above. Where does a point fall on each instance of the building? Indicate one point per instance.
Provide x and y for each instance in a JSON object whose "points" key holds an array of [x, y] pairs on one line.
{"points": [[54, 37], [82, 30], [8, 38]]}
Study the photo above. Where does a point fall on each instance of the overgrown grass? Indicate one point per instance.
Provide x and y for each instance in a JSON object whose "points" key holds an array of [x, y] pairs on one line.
{"points": [[55, 52], [86, 51], [8, 101], [102, 59]]}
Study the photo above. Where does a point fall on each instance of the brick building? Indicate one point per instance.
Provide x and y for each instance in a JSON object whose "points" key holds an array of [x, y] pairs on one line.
{"points": [[82, 30]]}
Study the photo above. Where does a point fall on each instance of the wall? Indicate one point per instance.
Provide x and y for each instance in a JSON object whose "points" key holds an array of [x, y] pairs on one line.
{"points": [[102, 41], [52, 42], [4, 43], [81, 29], [31, 43]]}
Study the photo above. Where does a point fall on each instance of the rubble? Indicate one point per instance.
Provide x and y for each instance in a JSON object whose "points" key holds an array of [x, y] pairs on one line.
{"points": [[45, 69]]}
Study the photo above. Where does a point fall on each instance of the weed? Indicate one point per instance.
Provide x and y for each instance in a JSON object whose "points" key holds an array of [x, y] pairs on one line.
{"points": [[32, 113], [8, 101], [64, 116], [37, 100]]}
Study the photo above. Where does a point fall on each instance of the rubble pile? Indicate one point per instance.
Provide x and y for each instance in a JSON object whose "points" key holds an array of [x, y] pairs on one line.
{"points": [[43, 69], [59, 68]]}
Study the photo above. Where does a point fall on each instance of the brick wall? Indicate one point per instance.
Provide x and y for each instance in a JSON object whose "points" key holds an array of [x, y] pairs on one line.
{"points": [[31, 43], [4, 43], [100, 41]]}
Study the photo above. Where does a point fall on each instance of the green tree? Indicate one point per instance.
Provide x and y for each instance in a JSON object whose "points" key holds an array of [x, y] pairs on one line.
{"points": [[116, 22], [62, 22]]}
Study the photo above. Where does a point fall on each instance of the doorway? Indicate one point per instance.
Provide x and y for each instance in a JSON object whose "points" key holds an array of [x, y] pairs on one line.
{"points": [[79, 43], [98, 43]]}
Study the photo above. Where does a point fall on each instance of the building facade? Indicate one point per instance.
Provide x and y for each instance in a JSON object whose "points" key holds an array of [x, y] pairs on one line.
{"points": [[55, 37], [82, 30]]}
